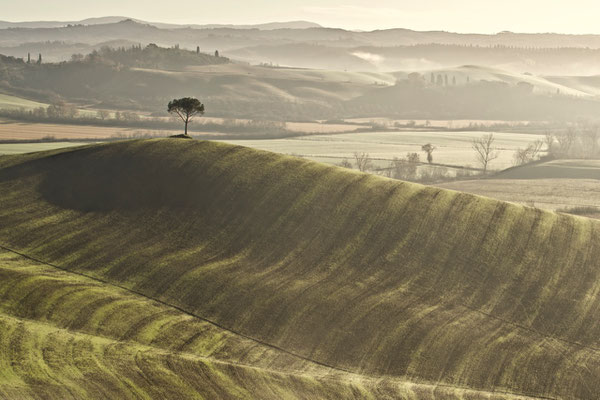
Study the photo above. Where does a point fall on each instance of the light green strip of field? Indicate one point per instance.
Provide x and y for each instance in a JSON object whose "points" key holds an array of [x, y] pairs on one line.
{"points": [[12, 102], [20, 148]]}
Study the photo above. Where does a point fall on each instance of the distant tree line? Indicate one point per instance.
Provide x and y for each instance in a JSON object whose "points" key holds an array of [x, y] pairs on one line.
{"points": [[151, 56], [409, 168], [64, 113]]}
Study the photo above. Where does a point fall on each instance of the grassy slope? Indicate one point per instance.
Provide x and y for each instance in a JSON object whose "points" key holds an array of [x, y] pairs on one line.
{"points": [[586, 84], [64, 335], [374, 276], [549, 194], [252, 83]]}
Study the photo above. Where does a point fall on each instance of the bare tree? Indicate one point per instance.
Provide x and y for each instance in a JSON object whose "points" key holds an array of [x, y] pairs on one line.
{"points": [[565, 142], [590, 142], [521, 156], [530, 153], [485, 152], [363, 161], [428, 148], [549, 141], [535, 148]]}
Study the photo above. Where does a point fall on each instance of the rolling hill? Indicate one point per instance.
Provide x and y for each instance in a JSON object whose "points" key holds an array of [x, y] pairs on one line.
{"points": [[555, 169], [420, 57], [117, 19], [201, 268], [305, 44], [145, 79], [537, 84]]}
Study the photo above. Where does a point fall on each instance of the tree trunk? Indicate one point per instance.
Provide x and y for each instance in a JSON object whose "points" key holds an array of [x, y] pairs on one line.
{"points": [[186, 122]]}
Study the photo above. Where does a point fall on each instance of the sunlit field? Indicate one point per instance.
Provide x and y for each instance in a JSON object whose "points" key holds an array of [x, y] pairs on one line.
{"points": [[453, 148], [18, 148], [226, 271], [10, 130], [553, 185], [11, 102]]}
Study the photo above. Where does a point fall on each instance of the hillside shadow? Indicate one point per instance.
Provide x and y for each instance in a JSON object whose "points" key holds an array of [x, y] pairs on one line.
{"points": [[107, 178]]}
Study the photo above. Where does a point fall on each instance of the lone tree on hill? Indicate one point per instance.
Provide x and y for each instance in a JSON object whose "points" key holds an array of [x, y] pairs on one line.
{"points": [[186, 108]]}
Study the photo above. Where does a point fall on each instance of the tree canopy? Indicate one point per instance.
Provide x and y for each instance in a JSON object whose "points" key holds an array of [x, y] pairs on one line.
{"points": [[186, 108]]}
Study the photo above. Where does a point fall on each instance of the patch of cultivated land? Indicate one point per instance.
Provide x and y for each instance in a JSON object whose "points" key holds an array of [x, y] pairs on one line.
{"points": [[19, 148], [549, 194], [550, 185], [172, 268], [566, 169], [453, 148], [446, 123], [10, 130], [12, 102]]}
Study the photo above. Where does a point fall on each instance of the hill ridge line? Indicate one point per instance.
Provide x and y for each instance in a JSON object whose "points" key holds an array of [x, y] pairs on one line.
{"points": [[275, 347]]}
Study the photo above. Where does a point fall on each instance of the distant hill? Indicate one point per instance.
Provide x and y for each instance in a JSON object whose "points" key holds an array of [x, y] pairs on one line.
{"points": [[146, 78], [556, 169], [60, 24], [112, 20], [289, 267], [470, 92], [57, 51], [304, 44], [152, 56], [422, 57], [131, 80], [264, 27]]}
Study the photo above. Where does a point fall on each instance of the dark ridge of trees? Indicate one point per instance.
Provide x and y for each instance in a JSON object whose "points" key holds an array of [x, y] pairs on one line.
{"points": [[153, 56]]}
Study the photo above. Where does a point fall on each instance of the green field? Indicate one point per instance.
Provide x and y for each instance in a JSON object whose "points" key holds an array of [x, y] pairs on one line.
{"points": [[12, 102], [173, 268], [556, 169], [453, 148], [551, 185], [64, 335], [19, 148]]}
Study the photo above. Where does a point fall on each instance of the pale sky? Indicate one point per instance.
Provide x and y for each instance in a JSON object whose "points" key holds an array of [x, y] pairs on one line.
{"points": [[478, 16]]}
